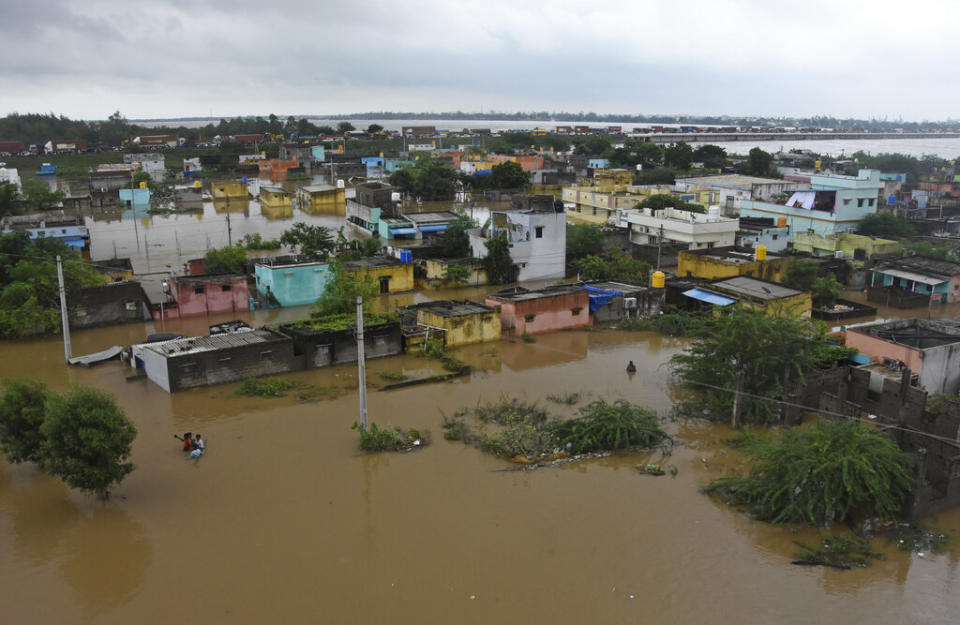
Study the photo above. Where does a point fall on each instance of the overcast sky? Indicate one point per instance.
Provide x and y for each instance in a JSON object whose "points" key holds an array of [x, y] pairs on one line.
{"points": [[182, 58]]}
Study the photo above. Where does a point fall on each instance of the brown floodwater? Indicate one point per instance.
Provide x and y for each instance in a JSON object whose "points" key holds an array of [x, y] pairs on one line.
{"points": [[286, 521]]}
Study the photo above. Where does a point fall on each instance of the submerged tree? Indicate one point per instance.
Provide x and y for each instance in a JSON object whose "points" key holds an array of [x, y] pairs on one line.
{"points": [[87, 440], [308, 240], [21, 415], [341, 291], [753, 354], [230, 259], [833, 471]]}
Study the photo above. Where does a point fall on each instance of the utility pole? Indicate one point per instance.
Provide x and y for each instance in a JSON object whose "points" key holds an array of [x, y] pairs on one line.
{"points": [[659, 245], [737, 400], [67, 351], [229, 232], [361, 366]]}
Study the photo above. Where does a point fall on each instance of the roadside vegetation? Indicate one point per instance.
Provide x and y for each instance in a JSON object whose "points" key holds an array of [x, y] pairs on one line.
{"points": [[378, 439]]}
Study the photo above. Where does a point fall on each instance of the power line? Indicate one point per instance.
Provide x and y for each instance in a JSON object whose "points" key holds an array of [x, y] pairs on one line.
{"points": [[829, 413]]}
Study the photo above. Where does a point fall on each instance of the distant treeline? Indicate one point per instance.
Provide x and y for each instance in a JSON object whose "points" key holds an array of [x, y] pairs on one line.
{"points": [[34, 128]]}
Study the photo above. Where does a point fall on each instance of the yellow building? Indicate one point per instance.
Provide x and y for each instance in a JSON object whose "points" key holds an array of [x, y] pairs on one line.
{"points": [[465, 322], [852, 246], [613, 176], [115, 269], [728, 262], [390, 274], [322, 199], [772, 298], [436, 271], [232, 189], [275, 197]]}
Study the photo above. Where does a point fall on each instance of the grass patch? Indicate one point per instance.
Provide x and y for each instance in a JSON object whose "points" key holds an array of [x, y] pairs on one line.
{"points": [[259, 387], [393, 376], [524, 432], [378, 439], [843, 552], [342, 321]]}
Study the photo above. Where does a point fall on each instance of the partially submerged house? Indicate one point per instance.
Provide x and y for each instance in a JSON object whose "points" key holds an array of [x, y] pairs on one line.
{"points": [[769, 297], [612, 301], [288, 282], [185, 363], [550, 309], [207, 294], [322, 199], [109, 304], [914, 281], [929, 349], [275, 197], [322, 346], [390, 274], [462, 322]]}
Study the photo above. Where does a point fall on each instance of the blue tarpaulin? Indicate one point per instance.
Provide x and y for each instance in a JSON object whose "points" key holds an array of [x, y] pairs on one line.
{"points": [[710, 298], [74, 242], [435, 228], [599, 297], [402, 231]]}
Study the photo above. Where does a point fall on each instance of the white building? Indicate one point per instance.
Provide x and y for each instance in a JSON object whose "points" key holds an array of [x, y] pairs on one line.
{"points": [[729, 190], [692, 230], [538, 241], [10, 175]]}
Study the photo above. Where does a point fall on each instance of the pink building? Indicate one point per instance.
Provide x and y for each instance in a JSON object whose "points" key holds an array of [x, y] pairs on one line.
{"points": [[196, 296], [545, 310]]}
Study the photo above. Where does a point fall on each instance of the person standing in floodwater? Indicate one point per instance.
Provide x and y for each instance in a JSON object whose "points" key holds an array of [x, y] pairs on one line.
{"points": [[187, 441]]}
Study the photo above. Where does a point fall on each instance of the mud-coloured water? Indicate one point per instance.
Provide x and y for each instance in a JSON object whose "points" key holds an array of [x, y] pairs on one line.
{"points": [[285, 521]]}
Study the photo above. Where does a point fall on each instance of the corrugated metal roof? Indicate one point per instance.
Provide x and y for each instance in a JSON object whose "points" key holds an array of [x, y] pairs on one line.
{"points": [[215, 342]]}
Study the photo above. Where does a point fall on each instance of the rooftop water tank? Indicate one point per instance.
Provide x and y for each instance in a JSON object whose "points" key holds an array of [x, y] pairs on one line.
{"points": [[658, 280], [713, 213]]}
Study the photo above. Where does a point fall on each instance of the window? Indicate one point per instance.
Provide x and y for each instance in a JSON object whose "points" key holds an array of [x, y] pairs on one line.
{"points": [[529, 318], [871, 202], [846, 201], [539, 232], [576, 311], [226, 287], [199, 289], [265, 355], [775, 237], [860, 202]]}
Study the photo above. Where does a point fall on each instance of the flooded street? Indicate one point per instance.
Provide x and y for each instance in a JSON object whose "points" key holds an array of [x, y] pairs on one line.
{"points": [[285, 521]]}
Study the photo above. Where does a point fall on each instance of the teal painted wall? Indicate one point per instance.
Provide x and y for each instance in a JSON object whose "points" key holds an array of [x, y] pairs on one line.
{"points": [[293, 285]]}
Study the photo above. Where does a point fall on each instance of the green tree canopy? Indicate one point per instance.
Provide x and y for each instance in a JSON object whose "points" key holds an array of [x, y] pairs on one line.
{"points": [[614, 266], [428, 179], [657, 175], [678, 155], [886, 225], [760, 163], [230, 259], [308, 240], [800, 274], [344, 127], [87, 439], [712, 156], [583, 239], [660, 201], [37, 196], [833, 471], [374, 129], [509, 175], [341, 291], [767, 348], [498, 263], [21, 415], [454, 242], [9, 199]]}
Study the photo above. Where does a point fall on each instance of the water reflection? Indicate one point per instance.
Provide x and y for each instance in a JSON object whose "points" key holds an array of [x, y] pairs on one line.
{"points": [[109, 560]]}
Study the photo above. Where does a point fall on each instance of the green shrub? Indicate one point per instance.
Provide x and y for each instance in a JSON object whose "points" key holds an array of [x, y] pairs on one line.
{"points": [[390, 438], [831, 472], [258, 387], [605, 427], [841, 551]]}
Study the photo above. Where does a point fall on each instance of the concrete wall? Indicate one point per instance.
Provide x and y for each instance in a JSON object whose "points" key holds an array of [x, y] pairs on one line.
{"points": [[464, 329], [230, 365], [878, 349], [219, 294], [321, 349], [400, 276], [436, 268], [229, 189]]}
